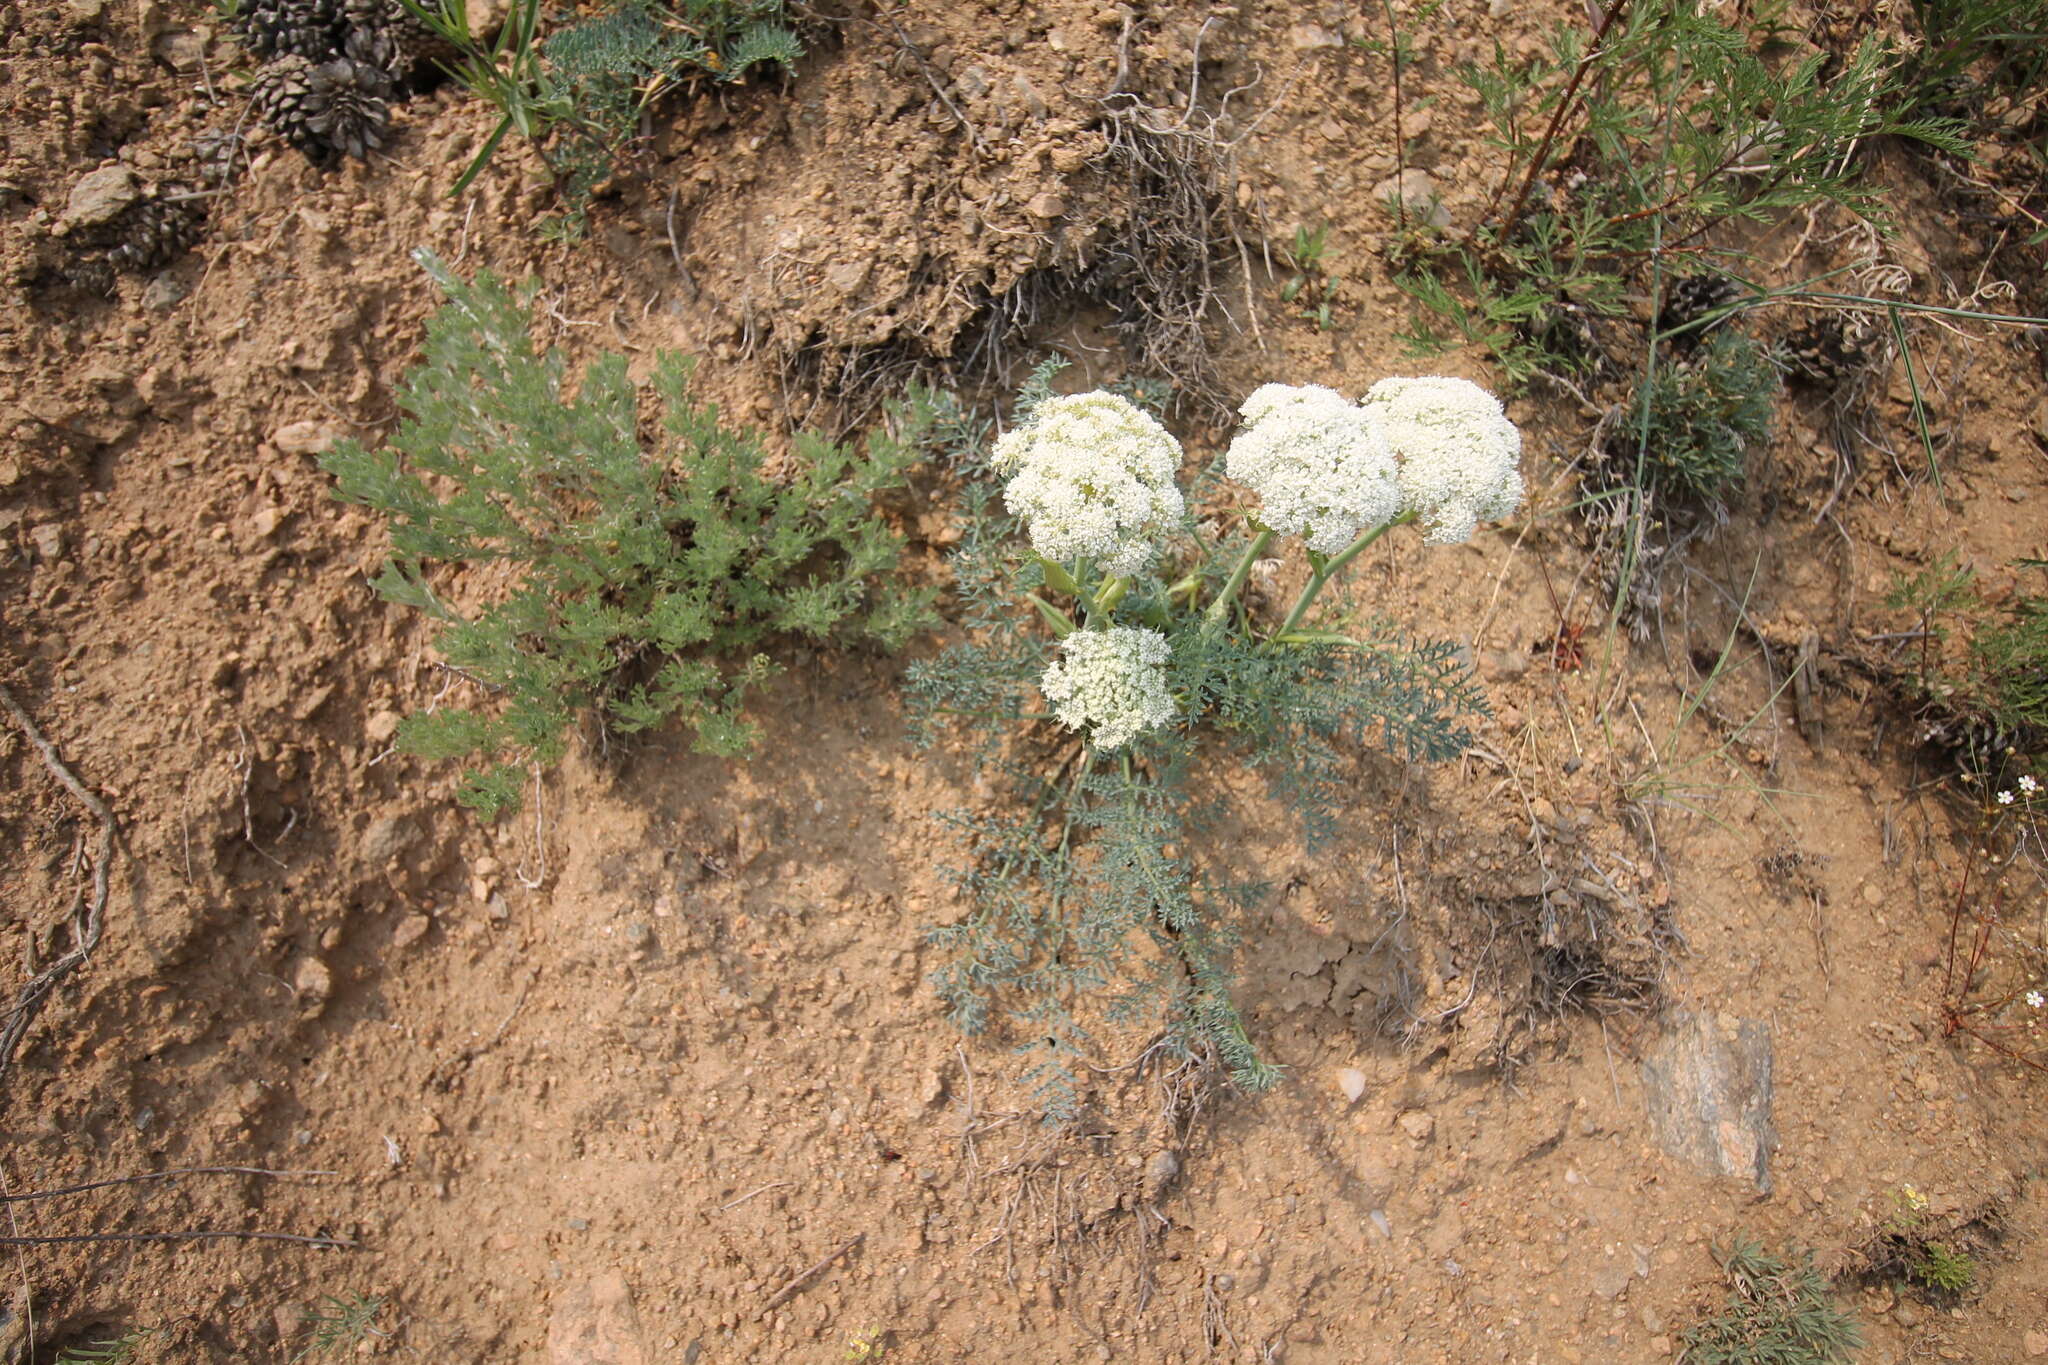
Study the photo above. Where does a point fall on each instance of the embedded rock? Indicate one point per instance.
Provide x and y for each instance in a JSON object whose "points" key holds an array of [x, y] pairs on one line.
{"points": [[1415, 191], [1709, 1095], [595, 1324], [101, 197]]}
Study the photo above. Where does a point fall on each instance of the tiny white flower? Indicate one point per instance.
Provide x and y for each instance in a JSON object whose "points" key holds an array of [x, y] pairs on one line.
{"points": [[1092, 476], [2035, 999], [2005, 798], [1113, 680], [2028, 784], [1457, 451], [1321, 467]]}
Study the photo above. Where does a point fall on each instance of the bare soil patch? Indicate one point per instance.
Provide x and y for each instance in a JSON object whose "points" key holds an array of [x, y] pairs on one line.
{"points": [[657, 1064]]}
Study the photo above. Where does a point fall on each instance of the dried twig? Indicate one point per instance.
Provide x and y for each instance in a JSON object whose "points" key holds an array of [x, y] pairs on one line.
{"points": [[86, 927], [973, 133], [248, 763], [675, 250], [201, 1236], [771, 1185], [153, 1175], [804, 1277]]}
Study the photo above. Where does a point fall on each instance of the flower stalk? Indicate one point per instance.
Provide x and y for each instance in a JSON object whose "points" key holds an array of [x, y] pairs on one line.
{"points": [[1219, 610], [1321, 571]]}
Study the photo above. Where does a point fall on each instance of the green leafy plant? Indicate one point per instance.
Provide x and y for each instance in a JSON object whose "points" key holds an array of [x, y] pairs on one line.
{"points": [[1312, 289], [1944, 1270], [582, 93], [1631, 143], [1909, 1248], [120, 1350], [2011, 668], [642, 579], [1699, 418], [1101, 878], [1777, 1313], [340, 1324], [1996, 44], [1992, 690]]}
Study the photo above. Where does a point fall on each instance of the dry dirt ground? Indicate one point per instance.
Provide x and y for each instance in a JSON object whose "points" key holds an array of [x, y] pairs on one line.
{"points": [[600, 1082]]}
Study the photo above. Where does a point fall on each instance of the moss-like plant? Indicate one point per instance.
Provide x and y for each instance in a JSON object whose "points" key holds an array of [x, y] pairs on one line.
{"points": [[1777, 1313], [1692, 423]]}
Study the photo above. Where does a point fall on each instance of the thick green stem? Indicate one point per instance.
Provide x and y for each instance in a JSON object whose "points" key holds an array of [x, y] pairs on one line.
{"points": [[1061, 623], [1219, 610], [1330, 570], [1107, 596]]}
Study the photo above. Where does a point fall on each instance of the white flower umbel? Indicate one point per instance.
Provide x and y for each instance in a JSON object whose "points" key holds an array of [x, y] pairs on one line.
{"points": [[1113, 680], [1319, 463], [1456, 451], [1092, 477]]}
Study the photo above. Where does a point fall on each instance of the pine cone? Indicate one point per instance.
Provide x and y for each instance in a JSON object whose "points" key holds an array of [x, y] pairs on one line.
{"points": [[329, 111], [301, 28], [153, 231], [386, 34], [1827, 351], [219, 156], [1692, 297]]}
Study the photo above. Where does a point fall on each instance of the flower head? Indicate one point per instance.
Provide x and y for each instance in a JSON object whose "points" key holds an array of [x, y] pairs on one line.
{"points": [[2028, 784], [2005, 798], [2035, 1000], [1114, 680], [1318, 462], [1457, 451], [1092, 476]]}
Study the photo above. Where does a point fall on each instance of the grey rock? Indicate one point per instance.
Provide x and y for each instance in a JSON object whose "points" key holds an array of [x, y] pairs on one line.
{"points": [[182, 49], [847, 277], [596, 1324], [1160, 1172], [971, 84], [639, 938], [1351, 1081], [313, 983], [1415, 190], [306, 438], [102, 196], [387, 838], [162, 294], [1709, 1095]]}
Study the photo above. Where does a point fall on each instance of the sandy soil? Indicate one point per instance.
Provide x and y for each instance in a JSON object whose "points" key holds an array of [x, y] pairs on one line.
{"points": [[598, 1083]]}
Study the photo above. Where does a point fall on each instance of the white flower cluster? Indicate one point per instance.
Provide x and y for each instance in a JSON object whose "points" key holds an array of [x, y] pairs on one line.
{"points": [[1319, 463], [1114, 680], [1458, 452], [1092, 476]]}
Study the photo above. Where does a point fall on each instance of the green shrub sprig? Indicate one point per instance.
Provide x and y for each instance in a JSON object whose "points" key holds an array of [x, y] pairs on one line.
{"points": [[643, 577]]}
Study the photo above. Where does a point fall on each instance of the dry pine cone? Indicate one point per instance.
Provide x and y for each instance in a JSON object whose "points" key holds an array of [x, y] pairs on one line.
{"points": [[335, 109], [1691, 298], [301, 28], [1828, 350], [153, 231], [386, 34]]}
